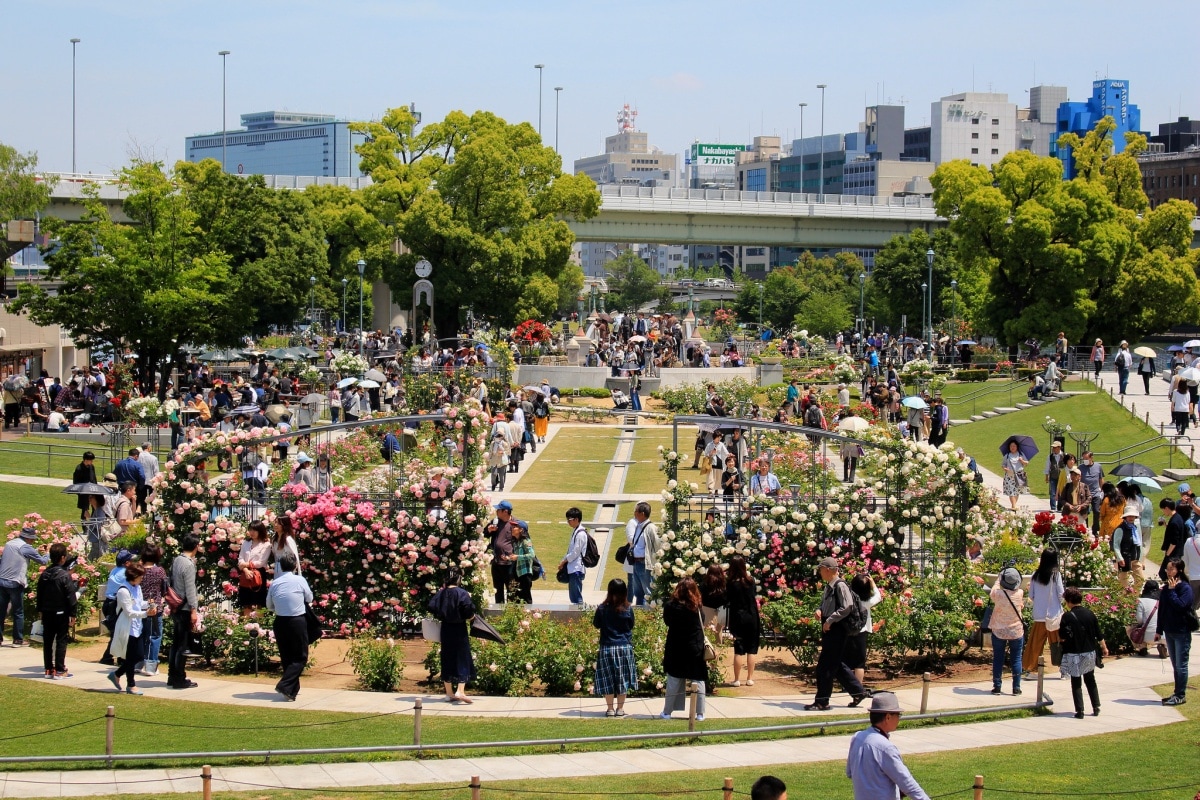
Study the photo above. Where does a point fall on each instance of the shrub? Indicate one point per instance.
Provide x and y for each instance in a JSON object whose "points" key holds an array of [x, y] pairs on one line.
{"points": [[972, 375], [1025, 373], [689, 398], [1010, 548], [242, 645], [377, 662], [588, 391], [796, 625]]}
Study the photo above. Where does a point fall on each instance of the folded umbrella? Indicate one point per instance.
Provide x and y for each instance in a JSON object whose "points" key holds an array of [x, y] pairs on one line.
{"points": [[482, 629], [1132, 470], [913, 401], [1025, 446], [1145, 352], [88, 488]]}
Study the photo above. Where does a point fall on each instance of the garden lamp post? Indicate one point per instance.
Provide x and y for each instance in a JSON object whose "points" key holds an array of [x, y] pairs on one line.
{"points": [[223, 54], [924, 298], [539, 68], [362, 267], [862, 322], [760, 299], [74, 168], [312, 297], [345, 283], [821, 186], [954, 317], [929, 261]]}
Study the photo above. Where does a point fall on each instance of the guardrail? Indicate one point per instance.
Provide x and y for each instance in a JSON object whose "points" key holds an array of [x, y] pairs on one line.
{"points": [[974, 397], [104, 455]]}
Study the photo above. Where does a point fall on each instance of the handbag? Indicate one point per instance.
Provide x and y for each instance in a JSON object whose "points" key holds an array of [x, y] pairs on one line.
{"points": [[431, 629], [1053, 623], [1137, 633], [252, 581], [110, 530], [313, 624], [985, 625], [705, 466], [710, 652], [172, 599], [561, 576], [622, 554]]}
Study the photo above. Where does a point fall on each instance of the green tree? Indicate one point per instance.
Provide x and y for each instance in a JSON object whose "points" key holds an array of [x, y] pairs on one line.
{"points": [[570, 286], [484, 201], [824, 313], [1074, 255], [152, 286], [631, 283], [22, 195], [901, 266]]}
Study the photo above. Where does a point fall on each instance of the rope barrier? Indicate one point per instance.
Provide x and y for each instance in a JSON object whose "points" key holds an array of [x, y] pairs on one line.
{"points": [[51, 730], [343, 789], [559, 792], [1075, 792], [259, 727]]}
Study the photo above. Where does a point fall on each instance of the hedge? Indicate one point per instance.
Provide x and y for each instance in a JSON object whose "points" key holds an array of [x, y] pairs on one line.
{"points": [[588, 391], [972, 375]]}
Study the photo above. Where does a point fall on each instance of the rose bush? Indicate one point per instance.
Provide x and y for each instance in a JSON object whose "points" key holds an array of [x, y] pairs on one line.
{"points": [[85, 573]]}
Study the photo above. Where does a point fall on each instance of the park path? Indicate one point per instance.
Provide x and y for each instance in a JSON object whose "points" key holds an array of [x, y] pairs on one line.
{"points": [[1128, 703]]}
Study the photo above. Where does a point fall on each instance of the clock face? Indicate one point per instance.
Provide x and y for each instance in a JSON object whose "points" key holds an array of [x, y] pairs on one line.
{"points": [[424, 268]]}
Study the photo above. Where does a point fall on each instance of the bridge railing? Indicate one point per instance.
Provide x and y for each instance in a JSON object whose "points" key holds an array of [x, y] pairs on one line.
{"points": [[667, 193]]}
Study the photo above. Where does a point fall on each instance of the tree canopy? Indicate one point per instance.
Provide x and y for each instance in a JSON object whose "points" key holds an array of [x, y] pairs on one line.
{"points": [[631, 284], [22, 195], [1071, 255], [784, 291], [484, 201]]}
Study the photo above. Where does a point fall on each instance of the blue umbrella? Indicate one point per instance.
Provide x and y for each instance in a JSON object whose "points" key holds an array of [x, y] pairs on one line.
{"points": [[913, 401], [1175, 348], [1025, 446], [1145, 483]]}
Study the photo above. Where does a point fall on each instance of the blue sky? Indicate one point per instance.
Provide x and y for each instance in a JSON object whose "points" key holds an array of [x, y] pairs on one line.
{"points": [[149, 74]]}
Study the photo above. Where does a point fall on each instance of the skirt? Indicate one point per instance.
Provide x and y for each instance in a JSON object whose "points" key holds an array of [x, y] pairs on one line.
{"points": [[457, 664], [1012, 486], [540, 426], [616, 671], [1076, 665]]}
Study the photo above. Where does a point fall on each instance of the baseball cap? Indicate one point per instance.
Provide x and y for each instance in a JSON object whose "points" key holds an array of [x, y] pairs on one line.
{"points": [[123, 557], [828, 563], [504, 505], [1185, 488]]}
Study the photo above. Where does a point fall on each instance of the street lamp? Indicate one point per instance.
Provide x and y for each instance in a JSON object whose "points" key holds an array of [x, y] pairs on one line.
{"points": [[222, 54], [862, 331], [821, 187], [312, 297], [557, 90], [73, 43], [929, 260], [802, 107], [345, 282], [760, 299], [924, 298], [362, 267], [954, 318], [539, 68]]}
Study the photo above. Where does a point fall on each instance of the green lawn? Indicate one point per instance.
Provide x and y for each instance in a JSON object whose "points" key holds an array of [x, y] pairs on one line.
{"points": [[644, 475], [548, 527], [1091, 412], [45, 456], [18, 499], [575, 461]]}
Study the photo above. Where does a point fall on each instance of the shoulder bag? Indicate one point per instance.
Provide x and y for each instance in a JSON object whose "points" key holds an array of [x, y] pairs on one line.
{"points": [[625, 550], [1137, 633], [313, 624], [710, 652]]}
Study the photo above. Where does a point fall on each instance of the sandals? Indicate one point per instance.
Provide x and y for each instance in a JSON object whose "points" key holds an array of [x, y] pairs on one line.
{"points": [[462, 698]]}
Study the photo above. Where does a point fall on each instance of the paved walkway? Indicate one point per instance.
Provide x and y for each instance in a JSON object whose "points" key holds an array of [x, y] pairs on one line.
{"points": [[34, 480], [1127, 704]]}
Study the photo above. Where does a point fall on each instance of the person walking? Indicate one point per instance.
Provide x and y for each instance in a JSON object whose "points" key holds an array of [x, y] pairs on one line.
{"points": [[874, 765], [127, 642], [1181, 401], [1097, 359], [745, 624], [287, 598], [1056, 463], [1007, 627], [573, 560], [285, 542], [1045, 594], [616, 669], [452, 605], [1123, 362], [840, 618], [1015, 480], [14, 577], [184, 618], [683, 652], [1176, 624], [85, 472], [1146, 369], [523, 559], [57, 601], [856, 646], [1083, 646]]}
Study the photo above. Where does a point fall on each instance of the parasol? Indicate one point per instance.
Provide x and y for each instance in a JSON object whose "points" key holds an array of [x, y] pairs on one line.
{"points": [[1190, 343], [1145, 352], [1191, 375], [1132, 469], [531, 388], [636, 339], [281, 354], [312, 398], [16, 383], [88, 488], [375, 375], [853, 424], [1176, 348], [249, 409], [967, 342], [344, 382], [482, 629], [1025, 446], [369, 384], [1145, 483], [305, 352], [913, 401], [274, 412]]}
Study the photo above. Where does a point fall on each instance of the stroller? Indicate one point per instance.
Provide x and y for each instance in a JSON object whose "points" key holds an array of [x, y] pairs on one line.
{"points": [[620, 400]]}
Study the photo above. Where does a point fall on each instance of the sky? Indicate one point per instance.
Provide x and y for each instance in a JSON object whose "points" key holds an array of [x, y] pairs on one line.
{"points": [[148, 74]]}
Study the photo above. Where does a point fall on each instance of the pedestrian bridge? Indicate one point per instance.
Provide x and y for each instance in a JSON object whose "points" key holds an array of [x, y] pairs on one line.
{"points": [[653, 215]]}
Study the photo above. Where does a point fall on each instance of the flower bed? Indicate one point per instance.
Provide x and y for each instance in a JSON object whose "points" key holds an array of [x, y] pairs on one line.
{"points": [[83, 572]]}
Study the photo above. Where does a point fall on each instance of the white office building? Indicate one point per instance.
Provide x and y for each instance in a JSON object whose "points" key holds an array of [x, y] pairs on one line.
{"points": [[978, 126]]}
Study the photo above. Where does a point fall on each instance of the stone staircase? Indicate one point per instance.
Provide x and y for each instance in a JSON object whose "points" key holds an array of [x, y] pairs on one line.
{"points": [[1001, 410]]}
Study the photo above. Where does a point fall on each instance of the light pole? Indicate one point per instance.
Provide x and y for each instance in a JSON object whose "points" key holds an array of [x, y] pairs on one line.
{"points": [[924, 297], [362, 267], [862, 331], [557, 91], [312, 298], [345, 282], [802, 107], [954, 319], [222, 54], [929, 260], [73, 43], [760, 299], [821, 187], [539, 68]]}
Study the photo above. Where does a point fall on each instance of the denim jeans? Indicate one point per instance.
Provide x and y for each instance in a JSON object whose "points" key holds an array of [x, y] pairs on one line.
{"points": [[575, 587], [1013, 649], [1179, 646], [1123, 378], [14, 597], [639, 584], [635, 401], [152, 630]]}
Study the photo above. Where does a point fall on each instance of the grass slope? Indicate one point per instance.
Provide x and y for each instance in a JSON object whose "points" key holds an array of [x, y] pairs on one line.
{"points": [[575, 460], [18, 499]]}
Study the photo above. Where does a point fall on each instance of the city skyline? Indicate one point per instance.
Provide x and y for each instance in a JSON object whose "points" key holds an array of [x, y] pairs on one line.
{"points": [[149, 75]]}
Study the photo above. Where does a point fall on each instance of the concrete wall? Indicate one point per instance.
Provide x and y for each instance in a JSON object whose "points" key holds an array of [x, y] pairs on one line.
{"points": [[579, 377]]}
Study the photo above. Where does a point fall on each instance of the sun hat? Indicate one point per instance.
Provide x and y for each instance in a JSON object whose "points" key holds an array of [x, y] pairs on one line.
{"points": [[1132, 510], [828, 562], [1009, 578], [885, 703], [28, 533]]}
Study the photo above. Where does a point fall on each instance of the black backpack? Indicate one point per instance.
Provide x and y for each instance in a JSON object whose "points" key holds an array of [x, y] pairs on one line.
{"points": [[813, 416], [591, 552], [858, 615]]}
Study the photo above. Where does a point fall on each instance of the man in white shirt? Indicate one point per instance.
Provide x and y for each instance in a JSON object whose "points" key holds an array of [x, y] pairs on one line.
{"points": [[149, 463], [573, 560], [56, 422]]}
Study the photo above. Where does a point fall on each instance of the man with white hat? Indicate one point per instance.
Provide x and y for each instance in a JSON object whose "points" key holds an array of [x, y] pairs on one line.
{"points": [[1127, 544], [874, 765], [14, 567]]}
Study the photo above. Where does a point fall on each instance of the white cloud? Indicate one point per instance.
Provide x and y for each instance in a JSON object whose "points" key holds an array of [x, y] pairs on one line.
{"points": [[679, 82]]}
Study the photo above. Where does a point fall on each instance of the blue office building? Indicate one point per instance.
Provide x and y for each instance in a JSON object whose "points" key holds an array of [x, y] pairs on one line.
{"points": [[1110, 98], [283, 143]]}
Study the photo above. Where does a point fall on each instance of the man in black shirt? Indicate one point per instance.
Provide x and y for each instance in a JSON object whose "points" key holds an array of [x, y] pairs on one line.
{"points": [[1175, 536]]}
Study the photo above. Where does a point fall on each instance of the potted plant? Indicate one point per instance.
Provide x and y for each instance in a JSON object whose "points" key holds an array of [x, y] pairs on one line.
{"points": [[771, 354]]}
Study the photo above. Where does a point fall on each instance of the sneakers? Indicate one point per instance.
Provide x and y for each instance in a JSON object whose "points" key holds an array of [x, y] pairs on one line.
{"points": [[1174, 700], [817, 706], [1078, 715], [50, 674], [133, 690], [114, 680], [736, 683], [699, 718], [1016, 692], [996, 690], [62, 676], [664, 715]]}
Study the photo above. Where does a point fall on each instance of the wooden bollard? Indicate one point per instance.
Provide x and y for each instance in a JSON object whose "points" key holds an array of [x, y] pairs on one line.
{"points": [[691, 692], [110, 717], [1041, 665], [206, 782], [728, 789], [475, 787], [417, 724], [925, 680], [978, 787]]}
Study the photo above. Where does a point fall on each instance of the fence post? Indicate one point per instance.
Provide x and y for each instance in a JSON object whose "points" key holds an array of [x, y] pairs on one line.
{"points": [[691, 692], [728, 789], [206, 782], [1041, 678], [417, 724], [978, 787], [925, 680], [475, 787], [110, 716]]}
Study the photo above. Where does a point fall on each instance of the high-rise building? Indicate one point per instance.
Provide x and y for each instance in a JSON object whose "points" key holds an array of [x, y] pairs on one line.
{"points": [[713, 166], [1175, 137], [282, 143], [977, 126], [1110, 98], [1167, 176], [1037, 126], [628, 158]]}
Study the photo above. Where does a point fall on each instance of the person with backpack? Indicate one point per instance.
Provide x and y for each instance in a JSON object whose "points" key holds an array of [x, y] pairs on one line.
{"points": [[57, 602], [841, 618], [581, 554]]}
